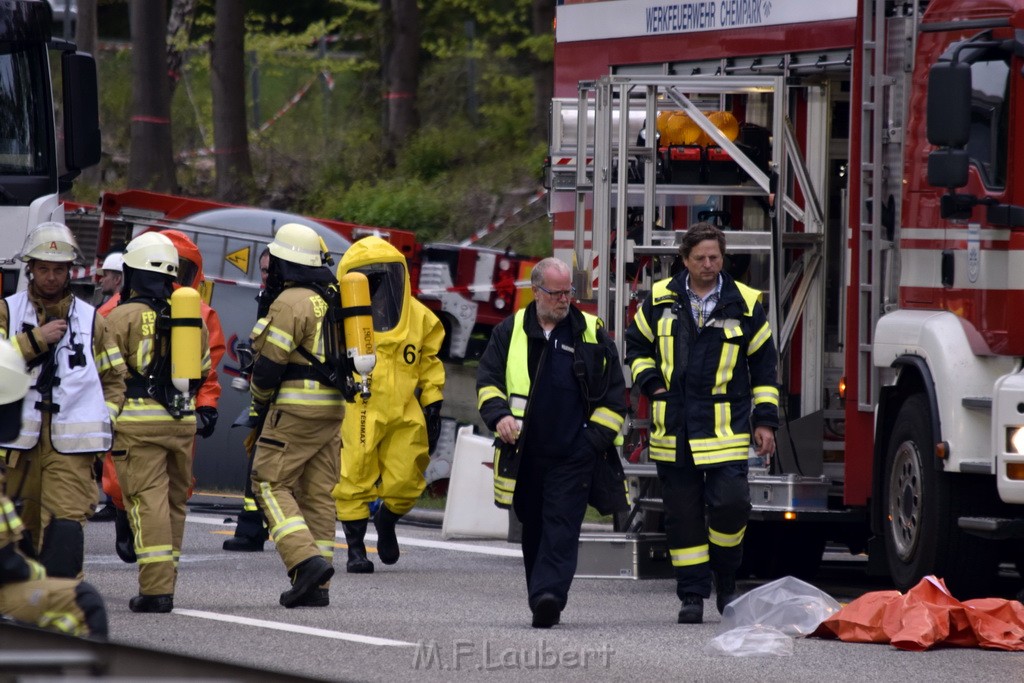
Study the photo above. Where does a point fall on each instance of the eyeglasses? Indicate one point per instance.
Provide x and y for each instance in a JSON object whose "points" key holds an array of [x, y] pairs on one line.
{"points": [[568, 293]]}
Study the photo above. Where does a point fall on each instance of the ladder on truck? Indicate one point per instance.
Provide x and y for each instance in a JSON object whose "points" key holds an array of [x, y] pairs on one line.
{"points": [[887, 40], [616, 166]]}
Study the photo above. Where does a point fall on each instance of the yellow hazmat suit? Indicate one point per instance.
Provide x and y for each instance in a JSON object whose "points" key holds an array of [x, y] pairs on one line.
{"points": [[384, 449]]}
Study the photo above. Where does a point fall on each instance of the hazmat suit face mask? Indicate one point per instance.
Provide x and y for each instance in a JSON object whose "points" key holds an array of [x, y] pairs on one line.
{"points": [[387, 293], [188, 273]]}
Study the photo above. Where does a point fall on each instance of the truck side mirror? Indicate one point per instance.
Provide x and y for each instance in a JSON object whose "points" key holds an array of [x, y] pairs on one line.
{"points": [[948, 168], [81, 111], [949, 104]]}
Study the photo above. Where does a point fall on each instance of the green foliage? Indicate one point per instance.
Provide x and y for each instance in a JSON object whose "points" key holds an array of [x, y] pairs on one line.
{"points": [[474, 160], [400, 203], [507, 109]]}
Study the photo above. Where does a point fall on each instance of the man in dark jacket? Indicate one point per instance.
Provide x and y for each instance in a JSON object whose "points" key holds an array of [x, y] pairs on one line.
{"points": [[701, 349], [550, 385]]}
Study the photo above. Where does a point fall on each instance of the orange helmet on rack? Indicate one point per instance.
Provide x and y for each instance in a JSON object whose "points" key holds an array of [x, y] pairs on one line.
{"points": [[190, 259]]}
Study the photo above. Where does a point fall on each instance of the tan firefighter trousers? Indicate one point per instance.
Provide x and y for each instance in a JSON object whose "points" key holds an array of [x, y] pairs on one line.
{"points": [[294, 469], [154, 465]]}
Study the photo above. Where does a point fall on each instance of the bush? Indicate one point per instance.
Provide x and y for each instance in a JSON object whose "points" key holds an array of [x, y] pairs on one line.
{"points": [[408, 205]]}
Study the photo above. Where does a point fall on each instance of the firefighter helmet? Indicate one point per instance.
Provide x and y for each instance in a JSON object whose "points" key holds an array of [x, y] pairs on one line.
{"points": [[14, 378], [50, 241], [153, 252], [298, 244], [114, 261]]}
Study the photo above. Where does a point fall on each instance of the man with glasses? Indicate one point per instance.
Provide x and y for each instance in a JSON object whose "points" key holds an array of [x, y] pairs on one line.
{"points": [[701, 349], [550, 385]]}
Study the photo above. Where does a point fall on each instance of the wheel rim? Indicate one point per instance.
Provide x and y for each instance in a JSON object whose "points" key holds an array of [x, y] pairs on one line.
{"points": [[905, 500]]}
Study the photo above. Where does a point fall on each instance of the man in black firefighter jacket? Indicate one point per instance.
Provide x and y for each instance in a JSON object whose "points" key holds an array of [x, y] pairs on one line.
{"points": [[701, 349], [550, 385]]}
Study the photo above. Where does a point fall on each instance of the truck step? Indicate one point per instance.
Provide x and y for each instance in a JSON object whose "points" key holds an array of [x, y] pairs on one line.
{"points": [[977, 402], [993, 528]]}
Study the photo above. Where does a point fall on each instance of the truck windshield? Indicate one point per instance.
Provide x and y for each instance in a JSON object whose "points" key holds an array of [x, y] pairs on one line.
{"points": [[24, 107]]}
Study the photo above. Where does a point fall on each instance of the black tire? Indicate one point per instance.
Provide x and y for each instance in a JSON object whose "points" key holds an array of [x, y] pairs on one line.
{"points": [[921, 508]]}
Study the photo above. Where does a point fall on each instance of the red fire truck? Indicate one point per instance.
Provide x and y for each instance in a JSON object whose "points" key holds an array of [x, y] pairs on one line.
{"points": [[863, 158]]}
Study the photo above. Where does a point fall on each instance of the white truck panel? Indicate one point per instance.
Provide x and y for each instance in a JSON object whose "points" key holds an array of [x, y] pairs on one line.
{"points": [[941, 340]]}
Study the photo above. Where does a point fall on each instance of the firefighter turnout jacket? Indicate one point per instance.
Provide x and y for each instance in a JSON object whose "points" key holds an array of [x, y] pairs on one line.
{"points": [[710, 374], [515, 356]]}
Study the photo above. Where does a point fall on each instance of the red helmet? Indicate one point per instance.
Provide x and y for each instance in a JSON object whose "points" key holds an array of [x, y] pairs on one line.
{"points": [[190, 260]]}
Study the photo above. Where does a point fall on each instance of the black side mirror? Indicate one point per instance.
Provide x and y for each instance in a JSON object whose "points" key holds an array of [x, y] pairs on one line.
{"points": [[949, 104], [81, 111]]}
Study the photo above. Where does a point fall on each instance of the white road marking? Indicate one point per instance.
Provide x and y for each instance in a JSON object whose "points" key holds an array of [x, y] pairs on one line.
{"points": [[403, 540], [293, 628]]}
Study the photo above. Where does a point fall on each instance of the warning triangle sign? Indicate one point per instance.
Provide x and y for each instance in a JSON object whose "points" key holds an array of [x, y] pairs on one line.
{"points": [[239, 259]]}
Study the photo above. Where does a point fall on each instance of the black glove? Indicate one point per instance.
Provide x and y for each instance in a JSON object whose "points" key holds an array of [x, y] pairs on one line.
{"points": [[433, 415], [206, 420]]}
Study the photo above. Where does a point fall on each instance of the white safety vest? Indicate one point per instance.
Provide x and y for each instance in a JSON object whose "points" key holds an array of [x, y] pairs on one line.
{"points": [[82, 421]]}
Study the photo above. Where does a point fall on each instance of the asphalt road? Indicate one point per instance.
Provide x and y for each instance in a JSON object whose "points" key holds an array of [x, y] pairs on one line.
{"points": [[457, 611]]}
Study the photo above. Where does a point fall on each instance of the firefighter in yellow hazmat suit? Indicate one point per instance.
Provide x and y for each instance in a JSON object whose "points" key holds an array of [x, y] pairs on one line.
{"points": [[386, 440]]}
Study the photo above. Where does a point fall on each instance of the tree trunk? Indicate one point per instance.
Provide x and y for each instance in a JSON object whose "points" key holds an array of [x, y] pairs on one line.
{"points": [[179, 23], [401, 71], [227, 68], [151, 165], [543, 69]]}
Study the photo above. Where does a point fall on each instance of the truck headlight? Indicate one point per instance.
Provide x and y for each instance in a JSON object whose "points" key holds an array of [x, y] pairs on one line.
{"points": [[1015, 440]]}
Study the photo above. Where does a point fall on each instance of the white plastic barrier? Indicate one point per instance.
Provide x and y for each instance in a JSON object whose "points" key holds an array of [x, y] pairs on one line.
{"points": [[470, 511]]}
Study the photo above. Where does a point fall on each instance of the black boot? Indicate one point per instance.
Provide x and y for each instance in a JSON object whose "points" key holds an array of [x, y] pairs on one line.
{"points": [[691, 611], [243, 544], [306, 577], [725, 590], [124, 544], [158, 604], [387, 543], [250, 533], [318, 597], [358, 563]]}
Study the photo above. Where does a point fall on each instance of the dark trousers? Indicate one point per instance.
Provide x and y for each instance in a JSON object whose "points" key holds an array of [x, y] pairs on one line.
{"points": [[251, 523], [704, 508], [550, 500]]}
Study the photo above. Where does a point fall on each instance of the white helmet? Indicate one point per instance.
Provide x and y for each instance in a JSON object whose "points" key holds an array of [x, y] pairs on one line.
{"points": [[114, 261], [14, 378], [50, 241], [153, 252], [298, 244]]}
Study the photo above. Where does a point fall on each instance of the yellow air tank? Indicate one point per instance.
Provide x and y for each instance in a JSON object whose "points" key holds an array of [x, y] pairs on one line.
{"points": [[186, 338], [359, 342]]}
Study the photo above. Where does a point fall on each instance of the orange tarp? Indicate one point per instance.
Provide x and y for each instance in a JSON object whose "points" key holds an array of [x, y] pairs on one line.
{"points": [[928, 616]]}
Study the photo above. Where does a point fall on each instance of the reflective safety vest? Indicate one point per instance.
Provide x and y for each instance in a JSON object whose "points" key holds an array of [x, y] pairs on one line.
{"points": [[517, 387], [79, 417]]}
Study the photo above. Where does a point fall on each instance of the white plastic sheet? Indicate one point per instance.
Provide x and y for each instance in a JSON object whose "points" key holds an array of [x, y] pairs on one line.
{"points": [[757, 622], [751, 641]]}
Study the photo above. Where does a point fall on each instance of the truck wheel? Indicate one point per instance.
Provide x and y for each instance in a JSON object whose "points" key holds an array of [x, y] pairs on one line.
{"points": [[921, 510]]}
